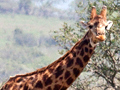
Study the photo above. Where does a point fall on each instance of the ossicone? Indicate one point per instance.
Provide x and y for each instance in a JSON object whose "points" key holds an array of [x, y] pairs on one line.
{"points": [[104, 12], [93, 13]]}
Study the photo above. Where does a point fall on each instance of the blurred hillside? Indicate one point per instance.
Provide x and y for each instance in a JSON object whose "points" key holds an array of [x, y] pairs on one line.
{"points": [[47, 8]]}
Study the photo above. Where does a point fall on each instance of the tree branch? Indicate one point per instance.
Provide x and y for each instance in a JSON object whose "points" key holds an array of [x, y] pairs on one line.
{"points": [[103, 76]]}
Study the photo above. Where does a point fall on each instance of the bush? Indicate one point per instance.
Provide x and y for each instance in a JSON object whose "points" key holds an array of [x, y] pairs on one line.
{"points": [[24, 39]]}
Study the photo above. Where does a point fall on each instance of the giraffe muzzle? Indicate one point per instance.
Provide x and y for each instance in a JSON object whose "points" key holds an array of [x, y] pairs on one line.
{"points": [[101, 37]]}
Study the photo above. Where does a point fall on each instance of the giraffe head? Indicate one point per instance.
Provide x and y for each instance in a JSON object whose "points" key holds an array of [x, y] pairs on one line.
{"points": [[98, 24]]}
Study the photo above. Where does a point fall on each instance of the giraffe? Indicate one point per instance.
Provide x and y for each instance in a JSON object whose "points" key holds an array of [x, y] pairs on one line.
{"points": [[60, 74]]}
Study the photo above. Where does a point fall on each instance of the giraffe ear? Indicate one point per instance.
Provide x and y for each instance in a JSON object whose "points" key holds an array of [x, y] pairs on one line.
{"points": [[84, 24], [104, 12], [93, 13], [109, 24]]}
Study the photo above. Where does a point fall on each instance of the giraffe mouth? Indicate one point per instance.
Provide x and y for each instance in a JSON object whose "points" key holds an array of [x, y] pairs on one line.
{"points": [[101, 37]]}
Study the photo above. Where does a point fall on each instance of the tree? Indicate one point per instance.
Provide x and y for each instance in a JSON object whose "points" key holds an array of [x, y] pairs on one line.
{"points": [[103, 69], [26, 5]]}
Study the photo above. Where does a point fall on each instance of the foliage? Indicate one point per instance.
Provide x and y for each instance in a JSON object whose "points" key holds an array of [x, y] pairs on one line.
{"points": [[26, 5], [47, 41], [24, 39], [105, 63]]}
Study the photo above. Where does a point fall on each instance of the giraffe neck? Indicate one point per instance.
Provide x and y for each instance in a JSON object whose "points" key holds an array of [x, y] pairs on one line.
{"points": [[65, 70], [77, 59], [60, 74]]}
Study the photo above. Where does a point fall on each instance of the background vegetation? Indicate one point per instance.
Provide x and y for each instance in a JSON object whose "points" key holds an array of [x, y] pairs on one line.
{"points": [[30, 38]]}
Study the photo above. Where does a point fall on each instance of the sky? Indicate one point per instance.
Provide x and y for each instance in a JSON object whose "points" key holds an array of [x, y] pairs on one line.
{"points": [[64, 5]]}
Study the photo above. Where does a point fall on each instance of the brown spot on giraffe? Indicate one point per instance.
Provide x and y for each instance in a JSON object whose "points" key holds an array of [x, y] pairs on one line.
{"points": [[49, 88], [90, 46], [25, 87], [64, 88], [70, 62], [57, 87], [67, 68], [45, 77], [39, 85], [21, 86], [69, 80], [61, 78], [86, 49], [31, 78], [79, 62], [90, 51], [58, 71], [76, 72], [19, 80], [67, 74], [78, 52], [48, 81], [74, 54], [50, 70], [82, 52], [86, 58]]}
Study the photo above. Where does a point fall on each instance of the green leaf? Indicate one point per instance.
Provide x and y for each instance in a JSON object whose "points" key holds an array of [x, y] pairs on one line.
{"points": [[115, 14]]}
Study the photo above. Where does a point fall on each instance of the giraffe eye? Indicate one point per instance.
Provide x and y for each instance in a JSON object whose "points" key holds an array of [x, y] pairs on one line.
{"points": [[90, 26], [105, 27]]}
